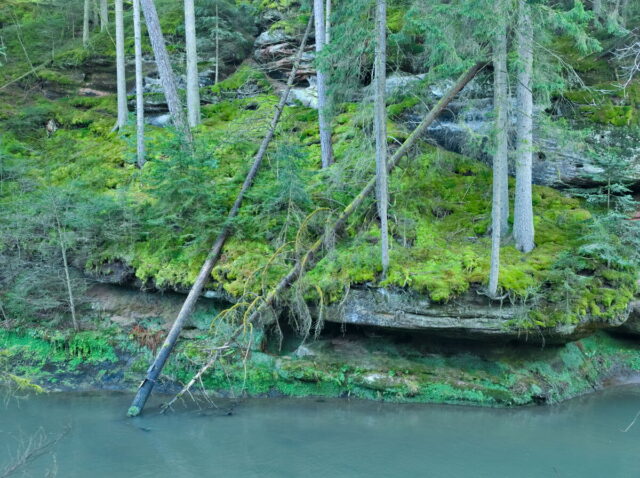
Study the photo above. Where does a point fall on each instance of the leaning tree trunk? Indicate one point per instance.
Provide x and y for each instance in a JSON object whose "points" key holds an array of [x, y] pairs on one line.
{"points": [[85, 23], [214, 254], [323, 113], [137, 41], [165, 70], [120, 67], [523, 231], [193, 83], [67, 276], [500, 179], [309, 258], [380, 126], [104, 15]]}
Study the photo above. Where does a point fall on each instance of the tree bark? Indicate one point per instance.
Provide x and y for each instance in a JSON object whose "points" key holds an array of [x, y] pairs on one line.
{"points": [[500, 178], [85, 23], [308, 259], [95, 11], [123, 113], [596, 6], [164, 69], [323, 113], [523, 231], [328, 22], [65, 263], [214, 254], [104, 15], [137, 41], [193, 83], [380, 126], [217, 75]]}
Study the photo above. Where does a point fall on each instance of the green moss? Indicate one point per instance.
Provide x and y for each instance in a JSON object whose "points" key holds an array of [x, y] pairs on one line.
{"points": [[397, 109], [245, 75]]}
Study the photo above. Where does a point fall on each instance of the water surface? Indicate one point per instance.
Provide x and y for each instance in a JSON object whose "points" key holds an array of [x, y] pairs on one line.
{"points": [[332, 438]]}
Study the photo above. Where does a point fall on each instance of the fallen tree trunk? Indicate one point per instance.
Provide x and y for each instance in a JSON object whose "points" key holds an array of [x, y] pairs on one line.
{"points": [[214, 254], [309, 258]]}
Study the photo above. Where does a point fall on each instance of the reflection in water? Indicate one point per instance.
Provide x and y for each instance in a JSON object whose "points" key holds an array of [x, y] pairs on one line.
{"points": [[335, 438]]}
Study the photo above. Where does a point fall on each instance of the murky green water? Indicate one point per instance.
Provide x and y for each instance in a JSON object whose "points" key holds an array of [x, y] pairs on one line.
{"points": [[308, 438]]}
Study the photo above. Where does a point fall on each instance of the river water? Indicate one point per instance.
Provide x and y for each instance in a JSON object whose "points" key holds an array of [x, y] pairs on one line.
{"points": [[328, 438]]}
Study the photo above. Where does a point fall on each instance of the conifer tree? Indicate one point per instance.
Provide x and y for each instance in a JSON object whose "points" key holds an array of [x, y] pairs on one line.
{"points": [[120, 67], [85, 23], [165, 70], [523, 230], [193, 83], [380, 126], [500, 205], [137, 40], [323, 113], [104, 14]]}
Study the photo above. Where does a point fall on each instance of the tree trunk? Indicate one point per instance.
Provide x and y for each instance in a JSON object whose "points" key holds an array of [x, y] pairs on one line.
{"points": [[65, 263], [85, 23], [104, 15], [137, 41], [308, 259], [120, 67], [95, 11], [193, 83], [217, 75], [597, 9], [214, 254], [323, 113], [500, 178], [523, 231], [380, 126], [165, 70], [327, 20]]}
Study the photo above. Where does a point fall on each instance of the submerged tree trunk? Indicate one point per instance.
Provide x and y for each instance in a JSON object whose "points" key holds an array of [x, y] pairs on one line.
{"points": [[85, 23], [120, 67], [499, 219], [193, 83], [380, 126], [523, 231], [137, 41], [308, 259], [104, 15], [164, 69], [214, 254], [323, 113]]}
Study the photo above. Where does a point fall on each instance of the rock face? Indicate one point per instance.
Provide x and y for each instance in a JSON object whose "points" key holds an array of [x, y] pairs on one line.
{"points": [[465, 127], [275, 52], [127, 307], [632, 325], [470, 317]]}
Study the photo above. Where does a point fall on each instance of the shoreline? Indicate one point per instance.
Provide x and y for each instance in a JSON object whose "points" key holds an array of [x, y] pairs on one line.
{"points": [[371, 368]]}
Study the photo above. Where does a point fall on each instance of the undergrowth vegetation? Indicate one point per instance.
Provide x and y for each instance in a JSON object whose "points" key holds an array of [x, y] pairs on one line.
{"points": [[162, 219]]}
